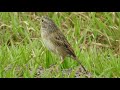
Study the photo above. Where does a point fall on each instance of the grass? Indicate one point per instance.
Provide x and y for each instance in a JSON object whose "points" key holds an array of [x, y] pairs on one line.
{"points": [[94, 37]]}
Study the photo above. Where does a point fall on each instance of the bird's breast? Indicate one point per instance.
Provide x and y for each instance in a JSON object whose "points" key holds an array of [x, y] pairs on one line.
{"points": [[47, 42]]}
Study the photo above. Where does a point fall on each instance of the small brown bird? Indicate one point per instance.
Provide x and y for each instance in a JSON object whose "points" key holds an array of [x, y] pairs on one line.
{"points": [[55, 41]]}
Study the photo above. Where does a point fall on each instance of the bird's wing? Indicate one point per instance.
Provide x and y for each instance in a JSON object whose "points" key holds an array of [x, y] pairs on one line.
{"points": [[59, 40]]}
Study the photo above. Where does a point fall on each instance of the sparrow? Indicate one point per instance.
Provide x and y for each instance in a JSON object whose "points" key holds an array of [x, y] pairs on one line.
{"points": [[55, 40]]}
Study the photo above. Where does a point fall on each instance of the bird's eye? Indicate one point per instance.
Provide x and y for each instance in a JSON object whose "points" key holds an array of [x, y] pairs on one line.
{"points": [[42, 20]]}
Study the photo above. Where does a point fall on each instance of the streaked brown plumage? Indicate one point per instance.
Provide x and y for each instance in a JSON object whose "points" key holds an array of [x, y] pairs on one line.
{"points": [[55, 40]]}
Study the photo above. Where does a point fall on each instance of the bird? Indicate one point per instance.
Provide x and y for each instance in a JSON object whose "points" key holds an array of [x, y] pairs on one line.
{"points": [[55, 41]]}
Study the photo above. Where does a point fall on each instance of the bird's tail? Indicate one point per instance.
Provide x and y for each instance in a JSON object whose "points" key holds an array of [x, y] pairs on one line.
{"points": [[88, 74], [75, 58]]}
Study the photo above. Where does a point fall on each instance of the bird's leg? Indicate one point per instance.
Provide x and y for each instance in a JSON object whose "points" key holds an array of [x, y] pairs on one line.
{"points": [[62, 60]]}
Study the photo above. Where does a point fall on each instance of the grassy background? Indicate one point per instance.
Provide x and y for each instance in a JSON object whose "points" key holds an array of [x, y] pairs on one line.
{"points": [[94, 36]]}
